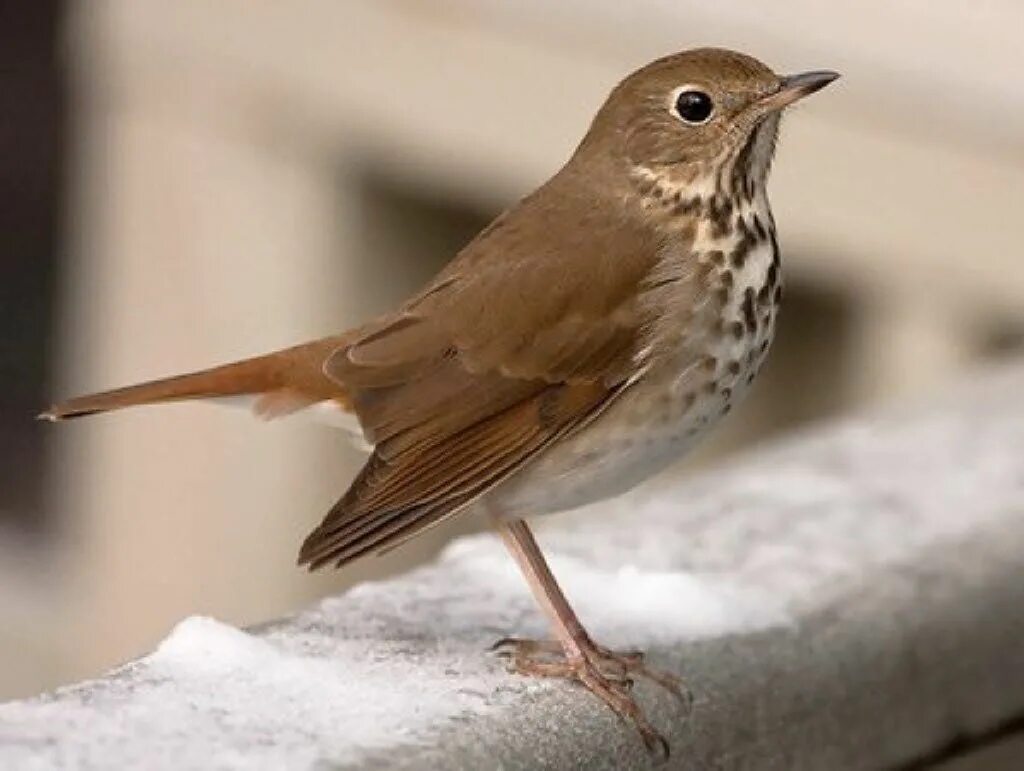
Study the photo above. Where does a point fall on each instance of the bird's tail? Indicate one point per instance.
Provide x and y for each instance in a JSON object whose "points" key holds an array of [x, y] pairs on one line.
{"points": [[282, 382]]}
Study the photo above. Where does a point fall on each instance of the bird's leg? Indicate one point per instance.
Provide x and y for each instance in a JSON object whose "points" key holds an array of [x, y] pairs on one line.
{"points": [[574, 655]]}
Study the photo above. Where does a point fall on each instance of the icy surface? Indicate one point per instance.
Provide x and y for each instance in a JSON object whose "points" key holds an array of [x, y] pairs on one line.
{"points": [[877, 561]]}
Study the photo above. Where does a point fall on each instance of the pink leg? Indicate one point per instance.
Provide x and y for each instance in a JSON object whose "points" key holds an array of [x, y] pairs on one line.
{"points": [[575, 657]]}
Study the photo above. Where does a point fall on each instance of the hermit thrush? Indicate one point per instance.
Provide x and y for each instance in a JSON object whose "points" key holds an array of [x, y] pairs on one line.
{"points": [[577, 345]]}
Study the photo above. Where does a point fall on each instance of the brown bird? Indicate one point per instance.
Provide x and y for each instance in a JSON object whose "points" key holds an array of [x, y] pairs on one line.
{"points": [[576, 346]]}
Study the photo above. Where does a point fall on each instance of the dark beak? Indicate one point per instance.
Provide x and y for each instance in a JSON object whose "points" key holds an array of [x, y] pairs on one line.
{"points": [[794, 87]]}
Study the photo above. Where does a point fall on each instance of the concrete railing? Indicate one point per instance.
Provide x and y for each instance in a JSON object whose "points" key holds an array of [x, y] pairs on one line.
{"points": [[853, 598]]}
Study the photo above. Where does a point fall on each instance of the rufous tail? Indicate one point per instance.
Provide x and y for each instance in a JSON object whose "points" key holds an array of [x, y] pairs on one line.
{"points": [[284, 380]]}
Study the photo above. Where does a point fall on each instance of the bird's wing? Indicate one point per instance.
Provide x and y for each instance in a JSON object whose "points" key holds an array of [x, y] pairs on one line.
{"points": [[525, 337]]}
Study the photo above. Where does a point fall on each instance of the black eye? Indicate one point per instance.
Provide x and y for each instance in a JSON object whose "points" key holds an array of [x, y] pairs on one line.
{"points": [[694, 106]]}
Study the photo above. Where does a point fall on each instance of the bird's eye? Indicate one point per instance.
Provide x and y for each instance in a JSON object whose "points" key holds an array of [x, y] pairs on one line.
{"points": [[693, 106]]}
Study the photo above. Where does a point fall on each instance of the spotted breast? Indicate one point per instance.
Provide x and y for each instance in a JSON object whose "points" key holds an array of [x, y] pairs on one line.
{"points": [[718, 287]]}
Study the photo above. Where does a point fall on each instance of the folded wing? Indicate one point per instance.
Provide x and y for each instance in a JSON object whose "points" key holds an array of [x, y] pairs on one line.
{"points": [[519, 342]]}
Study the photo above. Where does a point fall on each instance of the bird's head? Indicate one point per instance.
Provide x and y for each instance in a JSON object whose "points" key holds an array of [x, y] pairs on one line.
{"points": [[695, 112]]}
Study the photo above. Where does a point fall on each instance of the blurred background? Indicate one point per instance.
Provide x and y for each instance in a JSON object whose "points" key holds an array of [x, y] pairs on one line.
{"points": [[187, 183]]}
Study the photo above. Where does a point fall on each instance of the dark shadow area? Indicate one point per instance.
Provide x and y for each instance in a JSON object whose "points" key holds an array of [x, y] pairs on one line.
{"points": [[33, 103]]}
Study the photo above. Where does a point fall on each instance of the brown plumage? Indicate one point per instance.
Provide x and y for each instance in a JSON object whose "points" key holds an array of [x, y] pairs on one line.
{"points": [[630, 297], [283, 382]]}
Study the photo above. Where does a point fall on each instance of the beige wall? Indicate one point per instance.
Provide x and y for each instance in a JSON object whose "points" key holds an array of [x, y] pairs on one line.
{"points": [[251, 174]]}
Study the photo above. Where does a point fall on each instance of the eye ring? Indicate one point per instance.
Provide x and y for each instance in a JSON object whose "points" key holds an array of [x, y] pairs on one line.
{"points": [[692, 105]]}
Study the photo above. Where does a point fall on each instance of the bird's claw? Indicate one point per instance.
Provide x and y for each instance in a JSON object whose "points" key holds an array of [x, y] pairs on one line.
{"points": [[605, 673]]}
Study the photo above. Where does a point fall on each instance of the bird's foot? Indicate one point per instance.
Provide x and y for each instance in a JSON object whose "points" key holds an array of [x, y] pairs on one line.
{"points": [[605, 673]]}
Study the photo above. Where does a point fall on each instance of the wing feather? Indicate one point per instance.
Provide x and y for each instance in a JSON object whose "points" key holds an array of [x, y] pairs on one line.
{"points": [[527, 335], [389, 499]]}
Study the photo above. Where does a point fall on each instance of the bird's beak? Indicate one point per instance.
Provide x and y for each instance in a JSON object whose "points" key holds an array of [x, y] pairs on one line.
{"points": [[794, 87]]}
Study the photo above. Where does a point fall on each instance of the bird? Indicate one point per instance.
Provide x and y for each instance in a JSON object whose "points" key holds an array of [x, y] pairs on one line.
{"points": [[584, 340]]}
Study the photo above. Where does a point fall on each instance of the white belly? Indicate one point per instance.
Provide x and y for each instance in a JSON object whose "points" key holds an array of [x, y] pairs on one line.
{"points": [[641, 434]]}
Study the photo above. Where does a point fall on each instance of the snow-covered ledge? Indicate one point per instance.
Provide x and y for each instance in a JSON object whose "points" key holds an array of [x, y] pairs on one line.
{"points": [[853, 598]]}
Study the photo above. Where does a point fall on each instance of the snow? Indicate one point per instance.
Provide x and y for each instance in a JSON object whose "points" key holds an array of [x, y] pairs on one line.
{"points": [[212, 696], [331, 685], [307, 701], [852, 560], [618, 602]]}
